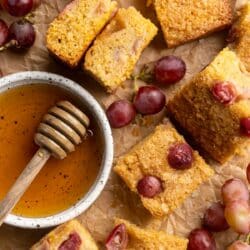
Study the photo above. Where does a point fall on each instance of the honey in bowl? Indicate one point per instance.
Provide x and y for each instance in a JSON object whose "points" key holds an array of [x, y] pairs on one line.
{"points": [[61, 183]]}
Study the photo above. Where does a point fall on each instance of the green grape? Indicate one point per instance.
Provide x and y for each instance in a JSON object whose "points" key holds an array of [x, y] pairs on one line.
{"points": [[237, 214], [233, 190]]}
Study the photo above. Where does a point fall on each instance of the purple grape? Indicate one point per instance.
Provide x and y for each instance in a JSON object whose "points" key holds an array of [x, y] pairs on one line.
{"points": [[120, 113], [17, 8], [149, 186], [23, 33], [245, 126], [201, 239], [149, 100], [180, 156], [169, 70], [214, 219], [4, 32]]}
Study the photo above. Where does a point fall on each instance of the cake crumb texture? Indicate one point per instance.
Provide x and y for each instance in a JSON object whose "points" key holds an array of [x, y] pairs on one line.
{"points": [[149, 157], [54, 239], [186, 20], [215, 127], [147, 239], [71, 33], [112, 58], [242, 33]]}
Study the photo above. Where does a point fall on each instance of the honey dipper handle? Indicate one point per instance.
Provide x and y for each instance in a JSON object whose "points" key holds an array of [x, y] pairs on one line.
{"points": [[23, 182]]}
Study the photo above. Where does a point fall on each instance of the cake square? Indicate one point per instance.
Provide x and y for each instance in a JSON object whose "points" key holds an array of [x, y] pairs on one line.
{"points": [[148, 239], [186, 20], [71, 235], [214, 126], [71, 33], [116, 50], [241, 32], [149, 158]]}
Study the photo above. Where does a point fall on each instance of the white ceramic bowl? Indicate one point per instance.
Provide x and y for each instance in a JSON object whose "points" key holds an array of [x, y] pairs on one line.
{"points": [[91, 105]]}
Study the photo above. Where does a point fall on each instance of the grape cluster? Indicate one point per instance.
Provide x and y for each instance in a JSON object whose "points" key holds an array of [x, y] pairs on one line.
{"points": [[234, 213], [235, 195], [236, 198], [21, 33], [149, 100]]}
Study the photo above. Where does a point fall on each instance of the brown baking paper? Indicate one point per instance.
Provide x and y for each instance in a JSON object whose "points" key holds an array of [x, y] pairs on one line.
{"points": [[116, 200]]}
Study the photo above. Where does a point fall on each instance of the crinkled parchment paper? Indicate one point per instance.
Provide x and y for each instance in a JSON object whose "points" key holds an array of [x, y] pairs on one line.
{"points": [[116, 199]]}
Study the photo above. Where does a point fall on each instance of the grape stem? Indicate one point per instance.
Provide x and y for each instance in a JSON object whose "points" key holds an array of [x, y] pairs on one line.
{"points": [[135, 85], [248, 239], [146, 74], [10, 44], [29, 17]]}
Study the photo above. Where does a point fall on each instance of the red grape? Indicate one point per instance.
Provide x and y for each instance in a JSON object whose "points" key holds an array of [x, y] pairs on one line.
{"points": [[149, 100], [180, 156], [237, 214], [120, 113], [214, 219], [239, 245], [73, 242], [248, 173], [169, 70], [23, 33], [4, 32], [201, 239], [149, 186], [118, 238], [17, 7], [245, 126], [224, 92], [233, 190]]}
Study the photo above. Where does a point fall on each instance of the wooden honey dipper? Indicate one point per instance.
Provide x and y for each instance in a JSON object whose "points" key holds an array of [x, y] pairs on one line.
{"points": [[62, 128]]}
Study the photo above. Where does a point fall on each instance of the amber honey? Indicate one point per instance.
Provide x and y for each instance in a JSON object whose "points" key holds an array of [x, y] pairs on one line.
{"points": [[60, 184]]}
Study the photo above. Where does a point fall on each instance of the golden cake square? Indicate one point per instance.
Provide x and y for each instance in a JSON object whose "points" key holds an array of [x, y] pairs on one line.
{"points": [[112, 58], [213, 108], [71, 33], [186, 20], [150, 158]]}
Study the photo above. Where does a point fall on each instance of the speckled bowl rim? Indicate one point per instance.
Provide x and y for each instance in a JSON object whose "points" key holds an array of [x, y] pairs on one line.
{"points": [[86, 99]]}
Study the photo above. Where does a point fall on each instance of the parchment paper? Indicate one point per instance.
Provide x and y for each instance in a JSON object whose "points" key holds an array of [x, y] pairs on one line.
{"points": [[116, 199]]}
